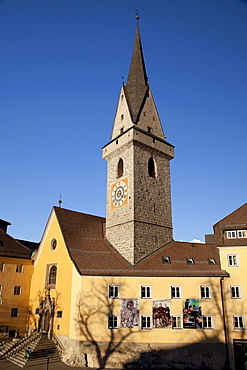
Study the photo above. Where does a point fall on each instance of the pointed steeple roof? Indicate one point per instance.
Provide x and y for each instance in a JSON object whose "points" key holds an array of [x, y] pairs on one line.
{"points": [[137, 84]]}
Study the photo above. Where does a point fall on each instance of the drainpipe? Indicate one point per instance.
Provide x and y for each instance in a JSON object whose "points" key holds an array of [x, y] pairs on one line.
{"points": [[224, 322]]}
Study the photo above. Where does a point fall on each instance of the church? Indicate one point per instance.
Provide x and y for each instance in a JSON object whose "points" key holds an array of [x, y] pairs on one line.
{"points": [[118, 291]]}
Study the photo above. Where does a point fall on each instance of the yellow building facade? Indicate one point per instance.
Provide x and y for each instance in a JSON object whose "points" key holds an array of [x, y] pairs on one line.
{"points": [[16, 270]]}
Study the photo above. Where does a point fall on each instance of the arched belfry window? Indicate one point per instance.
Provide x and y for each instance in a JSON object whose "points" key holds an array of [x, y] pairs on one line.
{"points": [[151, 167], [120, 168]]}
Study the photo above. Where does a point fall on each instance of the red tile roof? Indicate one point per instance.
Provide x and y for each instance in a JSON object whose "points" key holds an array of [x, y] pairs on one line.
{"points": [[10, 247], [237, 220], [92, 254]]}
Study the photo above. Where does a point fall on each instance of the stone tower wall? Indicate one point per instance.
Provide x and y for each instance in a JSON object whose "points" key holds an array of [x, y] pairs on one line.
{"points": [[144, 224], [119, 222]]}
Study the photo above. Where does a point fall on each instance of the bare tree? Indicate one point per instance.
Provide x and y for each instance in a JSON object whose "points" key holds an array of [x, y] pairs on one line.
{"points": [[93, 309]]}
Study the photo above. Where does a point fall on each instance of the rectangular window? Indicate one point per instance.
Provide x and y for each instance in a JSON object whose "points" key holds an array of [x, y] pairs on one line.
{"points": [[19, 268], [231, 234], [232, 260], [0, 289], [112, 321], [205, 292], [60, 314], [207, 322], [176, 322], [175, 291], [145, 291], [238, 322], [235, 291], [37, 311], [17, 290], [2, 266], [14, 312], [146, 322], [242, 233], [113, 291]]}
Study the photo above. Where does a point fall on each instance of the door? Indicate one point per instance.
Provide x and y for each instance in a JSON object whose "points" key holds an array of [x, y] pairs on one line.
{"points": [[240, 355]]}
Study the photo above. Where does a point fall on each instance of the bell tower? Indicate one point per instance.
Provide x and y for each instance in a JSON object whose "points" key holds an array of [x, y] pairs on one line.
{"points": [[138, 208]]}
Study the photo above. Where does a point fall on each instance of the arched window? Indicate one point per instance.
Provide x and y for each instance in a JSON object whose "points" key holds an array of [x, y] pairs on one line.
{"points": [[52, 275], [120, 168], [151, 167]]}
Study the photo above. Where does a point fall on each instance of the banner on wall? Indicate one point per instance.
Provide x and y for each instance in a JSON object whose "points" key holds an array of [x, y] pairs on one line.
{"points": [[161, 313], [129, 313], [192, 314]]}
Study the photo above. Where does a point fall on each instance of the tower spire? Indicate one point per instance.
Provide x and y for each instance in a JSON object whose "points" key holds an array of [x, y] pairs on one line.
{"points": [[137, 83]]}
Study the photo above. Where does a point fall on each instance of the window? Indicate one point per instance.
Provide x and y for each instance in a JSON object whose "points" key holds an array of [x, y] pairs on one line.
{"points": [[190, 261], [53, 244], [1, 301], [120, 168], [238, 322], [14, 312], [232, 260], [166, 259], [149, 130], [17, 290], [231, 234], [211, 261], [207, 322], [235, 291], [37, 311], [113, 291], [60, 314], [112, 321], [176, 322], [151, 167], [175, 291], [122, 116], [2, 266], [121, 130], [1, 289], [19, 268], [51, 276], [146, 322], [242, 233], [145, 291], [205, 291]]}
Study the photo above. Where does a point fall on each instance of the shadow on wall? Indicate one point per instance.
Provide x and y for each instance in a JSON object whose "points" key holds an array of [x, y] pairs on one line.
{"points": [[198, 356]]}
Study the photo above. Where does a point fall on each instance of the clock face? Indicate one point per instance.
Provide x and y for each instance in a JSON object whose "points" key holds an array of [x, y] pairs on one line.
{"points": [[119, 191]]}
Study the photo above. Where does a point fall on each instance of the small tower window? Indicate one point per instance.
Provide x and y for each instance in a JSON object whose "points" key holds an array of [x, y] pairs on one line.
{"points": [[121, 130], [149, 130], [122, 116], [151, 167], [120, 168]]}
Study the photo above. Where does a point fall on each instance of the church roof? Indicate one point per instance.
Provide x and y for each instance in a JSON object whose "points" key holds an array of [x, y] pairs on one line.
{"points": [[92, 254], [10, 247], [136, 88]]}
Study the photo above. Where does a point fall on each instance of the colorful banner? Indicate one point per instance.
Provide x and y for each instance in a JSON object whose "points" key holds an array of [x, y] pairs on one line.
{"points": [[161, 313], [129, 313], [192, 314]]}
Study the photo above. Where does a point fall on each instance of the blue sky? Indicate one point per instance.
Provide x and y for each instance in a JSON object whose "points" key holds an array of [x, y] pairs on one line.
{"points": [[62, 63]]}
